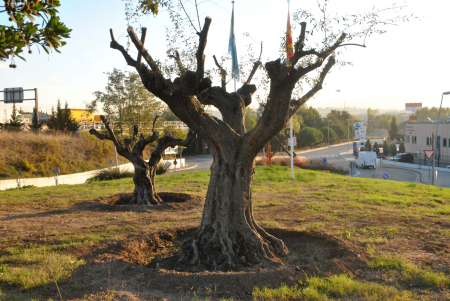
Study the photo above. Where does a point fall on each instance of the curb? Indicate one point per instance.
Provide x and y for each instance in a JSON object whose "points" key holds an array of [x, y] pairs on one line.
{"points": [[184, 169]]}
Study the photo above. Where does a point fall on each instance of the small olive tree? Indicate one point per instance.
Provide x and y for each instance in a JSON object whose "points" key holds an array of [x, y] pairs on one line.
{"points": [[144, 171]]}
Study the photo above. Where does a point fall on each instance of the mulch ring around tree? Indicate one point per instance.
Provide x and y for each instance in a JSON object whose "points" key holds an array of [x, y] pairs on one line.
{"points": [[174, 200], [150, 262]]}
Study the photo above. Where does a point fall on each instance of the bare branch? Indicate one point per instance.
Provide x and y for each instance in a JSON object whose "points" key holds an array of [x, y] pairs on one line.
{"points": [[168, 141], [99, 136], [255, 67], [114, 45], [117, 143], [143, 35], [223, 73], [200, 52], [177, 58], [188, 17], [143, 51], [296, 104]]}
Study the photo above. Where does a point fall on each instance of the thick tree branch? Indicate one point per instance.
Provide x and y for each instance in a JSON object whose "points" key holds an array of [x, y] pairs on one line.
{"points": [[169, 141], [296, 104], [117, 143], [200, 52], [301, 40], [223, 73], [252, 73], [177, 58], [114, 45], [121, 149], [246, 92], [99, 135], [143, 35]]}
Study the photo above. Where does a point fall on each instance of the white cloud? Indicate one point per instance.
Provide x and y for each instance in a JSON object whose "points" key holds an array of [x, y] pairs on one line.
{"points": [[3, 66]]}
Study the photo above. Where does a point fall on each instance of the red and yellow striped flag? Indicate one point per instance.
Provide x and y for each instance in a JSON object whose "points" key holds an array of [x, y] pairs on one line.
{"points": [[289, 43]]}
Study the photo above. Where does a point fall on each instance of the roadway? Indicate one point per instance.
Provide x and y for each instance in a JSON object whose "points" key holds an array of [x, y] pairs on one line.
{"points": [[341, 155]]}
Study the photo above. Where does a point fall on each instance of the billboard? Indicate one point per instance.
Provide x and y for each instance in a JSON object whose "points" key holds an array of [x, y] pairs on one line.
{"points": [[13, 95], [413, 106], [171, 150], [362, 135]]}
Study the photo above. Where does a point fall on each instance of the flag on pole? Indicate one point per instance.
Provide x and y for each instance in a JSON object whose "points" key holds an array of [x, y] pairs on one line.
{"points": [[232, 50], [289, 43]]}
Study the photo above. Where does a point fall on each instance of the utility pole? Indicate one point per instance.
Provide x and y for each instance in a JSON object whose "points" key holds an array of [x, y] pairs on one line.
{"points": [[434, 159], [328, 132]]}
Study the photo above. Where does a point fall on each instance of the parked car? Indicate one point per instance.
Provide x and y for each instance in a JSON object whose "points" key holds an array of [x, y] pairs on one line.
{"points": [[403, 157], [366, 159]]}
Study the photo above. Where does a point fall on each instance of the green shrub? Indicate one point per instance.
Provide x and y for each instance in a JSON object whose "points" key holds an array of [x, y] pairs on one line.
{"points": [[161, 168], [26, 166], [309, 136], [112, 174]]}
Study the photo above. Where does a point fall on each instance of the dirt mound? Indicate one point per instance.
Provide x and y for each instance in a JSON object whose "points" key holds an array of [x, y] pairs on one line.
{"points": [[156, 257], [173, 200]]}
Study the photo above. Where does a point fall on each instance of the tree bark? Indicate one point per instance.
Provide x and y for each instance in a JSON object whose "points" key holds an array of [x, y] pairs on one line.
{"points": [[228, 236], [144, 186]]}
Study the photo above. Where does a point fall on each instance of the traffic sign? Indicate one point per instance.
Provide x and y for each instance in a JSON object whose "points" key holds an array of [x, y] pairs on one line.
{"points": [[429, 153], [357, 125], [206, 145], [385, 176], [324, 160]]}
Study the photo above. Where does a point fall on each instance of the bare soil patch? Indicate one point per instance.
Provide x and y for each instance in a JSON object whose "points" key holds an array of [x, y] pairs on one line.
{"points": [[178, 201], [148, 266]]}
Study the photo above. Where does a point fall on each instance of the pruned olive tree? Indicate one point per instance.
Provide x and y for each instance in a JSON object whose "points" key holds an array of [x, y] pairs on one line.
{"points": [[144, 171], [229, 236]]}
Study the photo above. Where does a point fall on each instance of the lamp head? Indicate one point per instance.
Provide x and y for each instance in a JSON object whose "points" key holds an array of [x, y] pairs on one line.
{"points": [[446, 93]]}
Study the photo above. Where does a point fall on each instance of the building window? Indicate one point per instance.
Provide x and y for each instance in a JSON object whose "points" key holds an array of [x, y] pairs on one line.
{"points": [[407, 138], [414, 139], [428, 140], [444, 142]]}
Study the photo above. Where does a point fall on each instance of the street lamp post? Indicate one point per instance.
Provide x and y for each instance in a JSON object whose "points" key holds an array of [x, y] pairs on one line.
{"points": [[437, 133], [348, 135]]}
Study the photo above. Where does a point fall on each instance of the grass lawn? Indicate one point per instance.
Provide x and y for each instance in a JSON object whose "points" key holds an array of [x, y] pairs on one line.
{"points": [[68, 242]]}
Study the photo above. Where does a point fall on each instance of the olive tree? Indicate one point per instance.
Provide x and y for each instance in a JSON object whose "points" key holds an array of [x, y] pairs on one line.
{"points": [[144, 171], [228, 235], [22, 31]]}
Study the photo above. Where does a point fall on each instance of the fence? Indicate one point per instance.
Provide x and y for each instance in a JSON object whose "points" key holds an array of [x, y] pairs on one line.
{"points": [[441, 161]]}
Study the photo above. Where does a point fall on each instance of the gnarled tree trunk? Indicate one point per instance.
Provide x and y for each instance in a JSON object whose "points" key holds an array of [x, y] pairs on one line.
{"points": [[228, 235], [144, 172]]}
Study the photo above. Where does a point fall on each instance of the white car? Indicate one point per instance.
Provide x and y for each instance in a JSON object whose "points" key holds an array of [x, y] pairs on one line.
{"points": [[366, 159]]}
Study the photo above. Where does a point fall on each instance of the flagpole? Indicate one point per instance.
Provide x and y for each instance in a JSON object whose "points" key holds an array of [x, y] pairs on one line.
{"points": [[234, 77], [291, 134]]}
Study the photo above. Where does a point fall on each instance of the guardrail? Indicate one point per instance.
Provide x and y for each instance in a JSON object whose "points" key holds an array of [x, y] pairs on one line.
{"points": [[72, 179]]}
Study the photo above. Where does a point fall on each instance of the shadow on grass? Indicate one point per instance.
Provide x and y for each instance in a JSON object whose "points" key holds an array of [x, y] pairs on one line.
{"points": [[173, 201]]}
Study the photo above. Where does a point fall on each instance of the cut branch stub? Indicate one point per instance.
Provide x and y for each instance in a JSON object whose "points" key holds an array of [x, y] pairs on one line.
{"points": [[200, 52], [223, 73]]}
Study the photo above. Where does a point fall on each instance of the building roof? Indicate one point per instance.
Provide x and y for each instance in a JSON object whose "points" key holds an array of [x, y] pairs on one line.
{"points": [[413, 104]]}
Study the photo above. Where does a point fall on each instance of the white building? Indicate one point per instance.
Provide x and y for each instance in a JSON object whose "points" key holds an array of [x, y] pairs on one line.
{"points": [[418, 138]]}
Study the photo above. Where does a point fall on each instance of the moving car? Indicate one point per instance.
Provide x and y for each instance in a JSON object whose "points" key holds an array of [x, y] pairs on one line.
{"points": [[403, 157]]}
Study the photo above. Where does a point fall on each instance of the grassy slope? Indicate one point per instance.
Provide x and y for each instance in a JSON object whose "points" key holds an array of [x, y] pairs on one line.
{"points": [[38, 155], [384, 217]]}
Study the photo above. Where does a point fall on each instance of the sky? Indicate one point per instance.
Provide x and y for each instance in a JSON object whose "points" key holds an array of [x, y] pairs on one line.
{"points": [[409, 63]]}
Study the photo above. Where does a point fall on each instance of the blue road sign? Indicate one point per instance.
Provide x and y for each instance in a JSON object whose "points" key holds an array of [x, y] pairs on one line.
{"points": [[385, 176], [324, 160]]}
